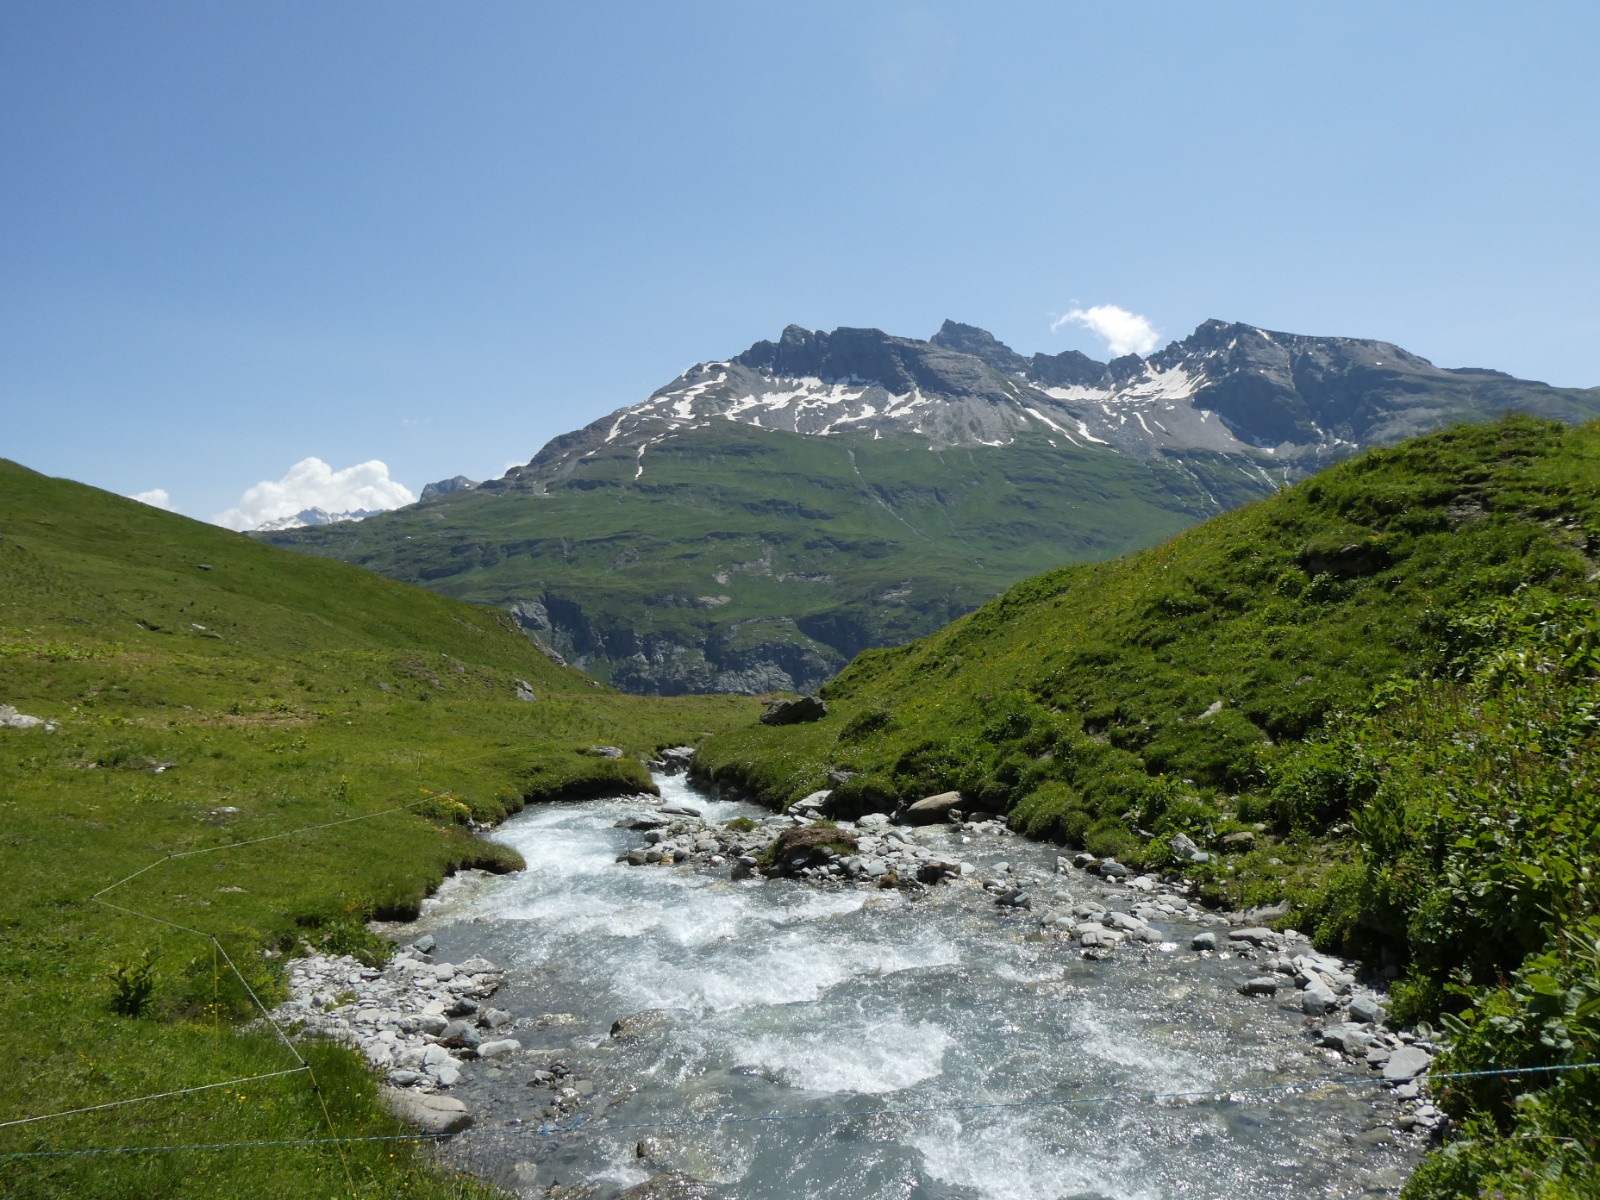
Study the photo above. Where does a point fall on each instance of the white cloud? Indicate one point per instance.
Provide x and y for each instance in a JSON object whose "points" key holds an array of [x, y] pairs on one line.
{"points": [[1123, 331], [155, 498], [312, 483]]}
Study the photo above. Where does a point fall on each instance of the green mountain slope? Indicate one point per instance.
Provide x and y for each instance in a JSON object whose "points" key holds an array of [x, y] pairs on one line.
{"points": [[756, 522], [751, 560], [205, 689], [1384, 681]]}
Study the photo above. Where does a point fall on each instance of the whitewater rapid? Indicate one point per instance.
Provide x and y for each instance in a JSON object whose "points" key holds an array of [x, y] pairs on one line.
{"points": [[778, 1039]]}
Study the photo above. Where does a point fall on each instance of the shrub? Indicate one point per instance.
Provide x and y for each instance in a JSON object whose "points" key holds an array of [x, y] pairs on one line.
{"points": [[133, 985]]}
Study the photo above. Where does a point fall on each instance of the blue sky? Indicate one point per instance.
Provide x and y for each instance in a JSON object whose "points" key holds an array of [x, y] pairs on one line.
{"points": [[234, 236]]}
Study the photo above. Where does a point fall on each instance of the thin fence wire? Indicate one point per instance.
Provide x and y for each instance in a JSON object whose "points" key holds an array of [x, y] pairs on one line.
{"points": [[590, 1125], [583, 1121], [303, 1066]]}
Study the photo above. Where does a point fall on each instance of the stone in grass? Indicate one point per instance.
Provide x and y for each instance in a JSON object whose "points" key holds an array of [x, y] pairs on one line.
{"points": [[428, 1113], [794, 712]]}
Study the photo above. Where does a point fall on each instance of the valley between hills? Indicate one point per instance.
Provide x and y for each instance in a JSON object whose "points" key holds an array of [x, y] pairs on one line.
{"points": [[1358, 700], [757, 522]]}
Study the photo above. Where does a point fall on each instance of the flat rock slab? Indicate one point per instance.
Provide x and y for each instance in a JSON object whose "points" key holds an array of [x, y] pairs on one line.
{"points": [[1255, 935], [430, 1114], [1406, 1063]]}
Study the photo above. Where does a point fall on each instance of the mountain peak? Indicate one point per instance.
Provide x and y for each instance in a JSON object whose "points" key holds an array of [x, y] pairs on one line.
{"points": [[981, 344]]}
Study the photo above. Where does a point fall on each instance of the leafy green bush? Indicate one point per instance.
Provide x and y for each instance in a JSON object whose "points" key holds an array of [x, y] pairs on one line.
{"points": [[133, 984]]}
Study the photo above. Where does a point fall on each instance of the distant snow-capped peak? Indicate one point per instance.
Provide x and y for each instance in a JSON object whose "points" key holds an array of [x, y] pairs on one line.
{"points": [[314, 516]]}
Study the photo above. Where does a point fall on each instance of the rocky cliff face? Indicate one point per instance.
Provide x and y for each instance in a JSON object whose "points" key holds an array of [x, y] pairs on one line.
{"points": [[1279, 404], [760, 519]]}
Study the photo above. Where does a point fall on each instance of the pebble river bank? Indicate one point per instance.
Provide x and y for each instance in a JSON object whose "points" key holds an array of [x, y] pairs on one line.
{"points": [[653, 1008]]}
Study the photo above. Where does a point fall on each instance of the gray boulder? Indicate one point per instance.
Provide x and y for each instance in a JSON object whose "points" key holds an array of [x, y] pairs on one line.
{"points": [[10, 718], [429, 1114], [1261, 985], [1406, 1063], [1366, 1008], [794, 712], [1184, 847], [1255, 935], [1318, 999], [499, 1048], [930, 810]]}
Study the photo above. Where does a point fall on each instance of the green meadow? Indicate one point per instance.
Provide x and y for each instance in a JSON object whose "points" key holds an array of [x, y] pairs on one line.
{"points": [[207, 690]]}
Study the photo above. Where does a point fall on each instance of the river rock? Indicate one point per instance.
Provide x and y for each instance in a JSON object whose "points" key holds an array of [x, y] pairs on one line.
{"points": [[499, 1048], [1406, 1063], [427, 1113], [813, 802], [1203, 941], [1317, 999], [930, 810], [1261, 985], [1256, 936], [1110, 868], [1366, 1008]]}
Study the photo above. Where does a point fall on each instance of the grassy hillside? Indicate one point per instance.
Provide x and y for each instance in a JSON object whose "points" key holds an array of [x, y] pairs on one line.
{"points": [[738, 547], [206, 689], [1373, 695]]}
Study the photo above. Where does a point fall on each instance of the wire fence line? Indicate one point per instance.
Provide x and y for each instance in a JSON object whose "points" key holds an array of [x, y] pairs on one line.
{"points": [[302, 1066], [204, 1087], [589, 1125], [583, 1121]]}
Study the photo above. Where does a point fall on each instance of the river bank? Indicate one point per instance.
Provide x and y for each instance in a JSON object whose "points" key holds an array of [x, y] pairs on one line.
{"points": [[677, 1029]]}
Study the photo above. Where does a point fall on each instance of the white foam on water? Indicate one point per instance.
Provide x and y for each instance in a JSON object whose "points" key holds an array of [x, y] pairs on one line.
{"points": [[790, 967], [1006, 1159], [1159, 1070], [867, 1057]]}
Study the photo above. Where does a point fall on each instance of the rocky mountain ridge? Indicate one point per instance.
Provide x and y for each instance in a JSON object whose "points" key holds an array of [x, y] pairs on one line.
{"points": [[759, 520], [1282, 404]]}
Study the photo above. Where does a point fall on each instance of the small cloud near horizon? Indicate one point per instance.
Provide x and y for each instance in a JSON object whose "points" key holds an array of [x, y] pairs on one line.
{"points": [[312, 483], [155, 498], [1124, 332]]}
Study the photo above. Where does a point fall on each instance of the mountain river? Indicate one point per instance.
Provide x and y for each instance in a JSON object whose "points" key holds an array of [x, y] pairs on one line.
{"points": [[784, 1039]]}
